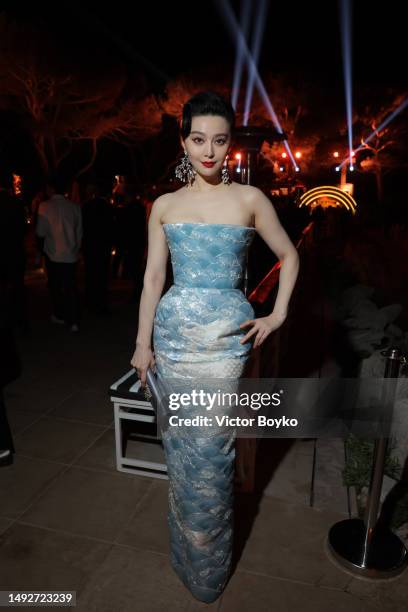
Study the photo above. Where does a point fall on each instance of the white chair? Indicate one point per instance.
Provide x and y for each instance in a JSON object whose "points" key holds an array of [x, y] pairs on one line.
{"points": [[130, 404]]}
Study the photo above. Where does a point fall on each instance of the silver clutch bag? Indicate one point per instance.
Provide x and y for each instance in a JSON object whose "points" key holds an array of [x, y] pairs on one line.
{"points": [[154, 391]]}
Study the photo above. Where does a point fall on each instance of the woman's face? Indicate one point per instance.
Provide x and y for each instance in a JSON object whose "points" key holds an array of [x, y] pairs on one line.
{"points": [[208, 141]]}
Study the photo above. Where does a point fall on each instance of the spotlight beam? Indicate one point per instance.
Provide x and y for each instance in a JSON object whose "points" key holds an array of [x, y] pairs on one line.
{"points": [[346, 38], [257, 36], [236, 31], [239, 62], [386, 121]]}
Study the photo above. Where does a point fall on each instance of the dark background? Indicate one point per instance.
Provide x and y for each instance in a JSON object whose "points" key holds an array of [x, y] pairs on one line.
{"points": [[301, 37]]}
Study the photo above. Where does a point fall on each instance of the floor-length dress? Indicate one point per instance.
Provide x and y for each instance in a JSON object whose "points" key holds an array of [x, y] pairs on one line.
{"points": [[196, 335]]}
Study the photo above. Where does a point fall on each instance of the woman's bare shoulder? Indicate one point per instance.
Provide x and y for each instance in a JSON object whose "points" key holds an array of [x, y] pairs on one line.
{"points": [[164, 197], [245, 193], [247, 196], [160, 204], [246, 190], [170, 196]]}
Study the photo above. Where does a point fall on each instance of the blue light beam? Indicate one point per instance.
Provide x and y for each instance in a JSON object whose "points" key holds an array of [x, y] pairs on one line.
{"points": [[386, 121], [257, 37], [346, 39], [239, 62], [236, 31]]}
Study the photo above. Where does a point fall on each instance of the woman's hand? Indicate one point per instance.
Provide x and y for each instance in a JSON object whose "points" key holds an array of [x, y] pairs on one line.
{"points": [[262, 327], [142, 359]]}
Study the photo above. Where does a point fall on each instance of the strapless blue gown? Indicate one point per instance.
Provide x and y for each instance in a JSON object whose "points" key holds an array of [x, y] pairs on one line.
{"points": [[196, 335]]}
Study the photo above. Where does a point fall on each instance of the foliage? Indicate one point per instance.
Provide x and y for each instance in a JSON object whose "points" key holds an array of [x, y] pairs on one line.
{"points": [[359, 453], [68, 98]]}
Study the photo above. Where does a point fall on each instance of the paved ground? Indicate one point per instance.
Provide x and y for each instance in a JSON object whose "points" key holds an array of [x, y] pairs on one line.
{"points": [[69, 520]]}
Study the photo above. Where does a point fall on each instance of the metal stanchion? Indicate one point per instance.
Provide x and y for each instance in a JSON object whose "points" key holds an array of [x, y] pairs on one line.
{"points": [[363, 546]]}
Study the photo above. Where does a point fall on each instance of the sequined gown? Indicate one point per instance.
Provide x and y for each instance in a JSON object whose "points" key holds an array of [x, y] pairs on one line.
{"points": [[196, 335]]}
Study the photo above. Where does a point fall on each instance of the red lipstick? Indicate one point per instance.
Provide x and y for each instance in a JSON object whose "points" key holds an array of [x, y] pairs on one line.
{"points": [[208, 164]]}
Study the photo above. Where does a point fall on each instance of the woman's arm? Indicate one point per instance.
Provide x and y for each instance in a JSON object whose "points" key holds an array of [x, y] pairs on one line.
{"points": [[155, 273], [271, 231]]}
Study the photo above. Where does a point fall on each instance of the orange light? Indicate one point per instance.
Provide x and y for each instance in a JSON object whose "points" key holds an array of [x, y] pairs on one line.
{"points": [[17, 184], [328, 196], [284, 155], [298, 155], [238, 156], [336, 154]]}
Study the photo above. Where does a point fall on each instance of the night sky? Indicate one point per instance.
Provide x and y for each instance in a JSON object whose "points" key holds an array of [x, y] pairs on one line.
{"points": [[300, 37], [167, 40]]}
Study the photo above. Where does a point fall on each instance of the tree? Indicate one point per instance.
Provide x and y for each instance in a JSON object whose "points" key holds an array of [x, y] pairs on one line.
{"points": [[290, 104], [382, 153], [68, 96]]}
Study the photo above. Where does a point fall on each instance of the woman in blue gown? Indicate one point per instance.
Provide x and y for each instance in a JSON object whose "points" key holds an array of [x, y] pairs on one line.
{"points": [[203, 328]]}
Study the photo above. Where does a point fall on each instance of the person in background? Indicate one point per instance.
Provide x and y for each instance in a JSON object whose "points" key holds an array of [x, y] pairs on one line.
{"points": [[10, 363], [59, 223], [10, 368], [98, 237], [119, 239], [39, 197], [12, 251]]}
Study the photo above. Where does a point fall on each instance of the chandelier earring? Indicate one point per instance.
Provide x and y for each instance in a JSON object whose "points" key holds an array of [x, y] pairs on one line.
{"points": [[185, 171], [225, 175]]}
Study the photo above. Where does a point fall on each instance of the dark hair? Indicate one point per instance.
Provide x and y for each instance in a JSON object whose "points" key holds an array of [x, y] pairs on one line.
{"points": [[101, 187], [205, 103], [58, 183], [104, 187]]}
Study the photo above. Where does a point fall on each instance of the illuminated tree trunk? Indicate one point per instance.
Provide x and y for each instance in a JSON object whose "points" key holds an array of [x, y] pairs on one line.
{"points": [[39, 143], [91, 161]]}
